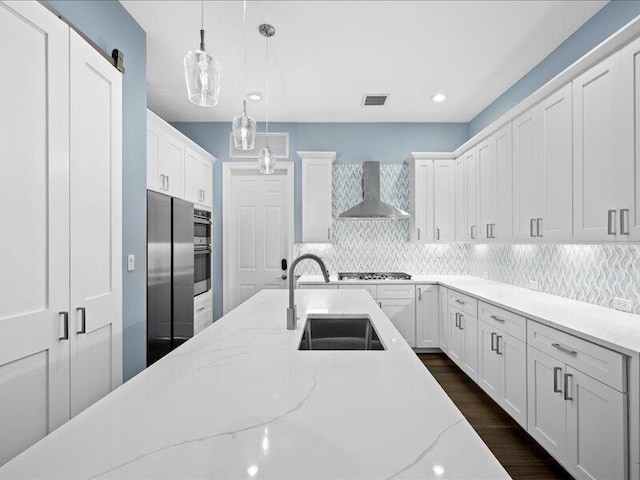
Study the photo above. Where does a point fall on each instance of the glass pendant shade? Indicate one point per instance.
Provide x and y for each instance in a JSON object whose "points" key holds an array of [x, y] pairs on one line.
{"points": [[244, 130], [202, 74], [266, 161]]}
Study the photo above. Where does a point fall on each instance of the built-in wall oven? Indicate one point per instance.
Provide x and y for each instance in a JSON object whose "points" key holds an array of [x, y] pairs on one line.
{"points": [[202, 251]]}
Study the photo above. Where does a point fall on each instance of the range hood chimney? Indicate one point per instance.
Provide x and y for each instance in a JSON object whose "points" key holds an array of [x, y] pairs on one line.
{"points": [[372, 207]]}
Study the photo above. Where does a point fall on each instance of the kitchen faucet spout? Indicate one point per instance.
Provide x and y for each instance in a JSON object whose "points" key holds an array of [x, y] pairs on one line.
{"points": [[292, 317]]}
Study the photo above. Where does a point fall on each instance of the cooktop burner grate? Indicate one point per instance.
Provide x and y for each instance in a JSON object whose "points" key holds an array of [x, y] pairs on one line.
{"points": [[373, 276]]}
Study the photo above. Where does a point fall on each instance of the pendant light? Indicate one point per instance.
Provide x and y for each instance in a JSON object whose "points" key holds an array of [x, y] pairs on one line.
{"points": [[266, 159], [202, 73], [244, 127]]}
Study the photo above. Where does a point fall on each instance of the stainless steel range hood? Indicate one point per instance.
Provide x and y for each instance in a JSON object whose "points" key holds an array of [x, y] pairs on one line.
{"points": [[372, 207]]}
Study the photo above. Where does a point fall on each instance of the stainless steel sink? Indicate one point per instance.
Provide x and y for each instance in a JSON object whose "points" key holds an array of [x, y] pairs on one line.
{"points": [[339, 332]]}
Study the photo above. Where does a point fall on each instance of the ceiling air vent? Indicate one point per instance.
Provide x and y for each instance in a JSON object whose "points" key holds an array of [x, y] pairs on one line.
{"points": [[374, 100], [278, 141]]}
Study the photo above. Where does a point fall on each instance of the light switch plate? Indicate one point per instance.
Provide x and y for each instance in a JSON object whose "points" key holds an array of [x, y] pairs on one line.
{"points": [[131, 263], [622, 304]]}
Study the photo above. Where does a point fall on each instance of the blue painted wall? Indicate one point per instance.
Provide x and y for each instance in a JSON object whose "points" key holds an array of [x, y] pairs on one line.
{"points": [[110, 26], [354, 142], [603, 24]]}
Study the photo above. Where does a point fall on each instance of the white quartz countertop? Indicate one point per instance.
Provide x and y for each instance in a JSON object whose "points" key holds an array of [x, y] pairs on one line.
{"points": [[240, 401], [608, 327]]}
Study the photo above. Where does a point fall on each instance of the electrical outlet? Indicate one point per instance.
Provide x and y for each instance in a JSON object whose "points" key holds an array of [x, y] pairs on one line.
{"points": [[131, 263], [533, 285], [622, 304]]}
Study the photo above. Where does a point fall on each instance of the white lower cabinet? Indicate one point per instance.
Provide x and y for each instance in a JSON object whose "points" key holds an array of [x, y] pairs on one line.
{"points": [[502, 370], [427, 318], [463, 341], [402, 313], [577, 419], [443, 329], [202, 312]]}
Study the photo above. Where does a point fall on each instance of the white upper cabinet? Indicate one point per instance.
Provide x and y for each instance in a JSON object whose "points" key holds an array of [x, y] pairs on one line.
{"points": [[494, 186], [600, 158], [421, 199], [630, 197], [542, 170], [444, 201], [460, 214], [317, 218], [177, 166], [471, 193]]}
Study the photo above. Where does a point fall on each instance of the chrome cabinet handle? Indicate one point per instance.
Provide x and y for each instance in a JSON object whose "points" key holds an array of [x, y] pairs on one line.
{"points": [[538, 227], [418, 234], [419, 294], [555, 379], [567, 376], [573, 353], [201, 309], [493, 338], [65, 325], [457, 320], [611, 222], [498, 338], [460, 301], [532, 223], [488, 230], [437, 233], [497, 319], [168, 178], [82, 314], [329, 233], [473, 229], [461, 316], [624, 225], [380, 304]]}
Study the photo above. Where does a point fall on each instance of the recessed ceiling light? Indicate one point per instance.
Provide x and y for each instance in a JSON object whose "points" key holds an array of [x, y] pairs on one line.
{"points": [[439, 97], [254, 97]]}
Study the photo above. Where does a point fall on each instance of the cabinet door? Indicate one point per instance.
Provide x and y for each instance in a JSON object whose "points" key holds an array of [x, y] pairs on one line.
{"points": [[205, 169], [597, 125], [154, 146], [427, 325], [96, 219], [316, 200], [486, 188], [469, 327], [513, 376], [556, 157], [460, 216], [456, 337], [526, 173], [422, 202], [471, 200], [596, 433], [503, 213], [444, 199], [488, 361], [443, 329], [34, 253], [631, 150], [192, 191], [172, 164], [546, 410], [402, 313]]}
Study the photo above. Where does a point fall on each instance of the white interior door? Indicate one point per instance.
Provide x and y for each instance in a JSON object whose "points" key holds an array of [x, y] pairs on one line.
{"points": [[258, 230], [34, 245], [96, 232]]}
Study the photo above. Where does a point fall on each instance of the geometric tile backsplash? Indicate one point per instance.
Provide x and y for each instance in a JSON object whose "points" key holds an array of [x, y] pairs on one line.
{"points": [[589, 273]]}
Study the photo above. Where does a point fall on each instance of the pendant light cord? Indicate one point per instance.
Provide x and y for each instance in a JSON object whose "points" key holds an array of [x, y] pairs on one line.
{"points": [[267, 88], [202, 16], [244, 36]]}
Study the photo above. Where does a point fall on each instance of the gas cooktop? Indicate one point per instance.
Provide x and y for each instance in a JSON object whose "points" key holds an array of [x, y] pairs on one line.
{"points": [[373, 276]]}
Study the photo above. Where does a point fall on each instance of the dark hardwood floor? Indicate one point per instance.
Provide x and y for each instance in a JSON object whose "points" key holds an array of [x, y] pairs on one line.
{"points": [[520, 455]]}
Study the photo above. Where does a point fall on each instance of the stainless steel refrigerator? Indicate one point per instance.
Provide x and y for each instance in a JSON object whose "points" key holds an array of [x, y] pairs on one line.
{"points": [[169, 274]]}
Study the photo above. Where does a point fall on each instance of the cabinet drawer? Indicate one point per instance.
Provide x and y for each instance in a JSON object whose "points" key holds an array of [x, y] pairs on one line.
{"points": [[396, 291], [463, 302], [370, 288], [202, 321], [201, 299], [514, 325], [598, 362]]}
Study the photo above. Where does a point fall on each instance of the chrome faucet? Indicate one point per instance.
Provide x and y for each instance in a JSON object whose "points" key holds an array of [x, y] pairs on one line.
{"points": [[292, 316]]}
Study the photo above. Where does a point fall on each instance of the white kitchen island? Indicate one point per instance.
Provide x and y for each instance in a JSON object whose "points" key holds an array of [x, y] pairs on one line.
{"points": [[240, 400]]}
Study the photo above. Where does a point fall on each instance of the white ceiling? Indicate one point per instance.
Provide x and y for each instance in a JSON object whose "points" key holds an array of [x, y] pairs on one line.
{"points": [[326, 54]]}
